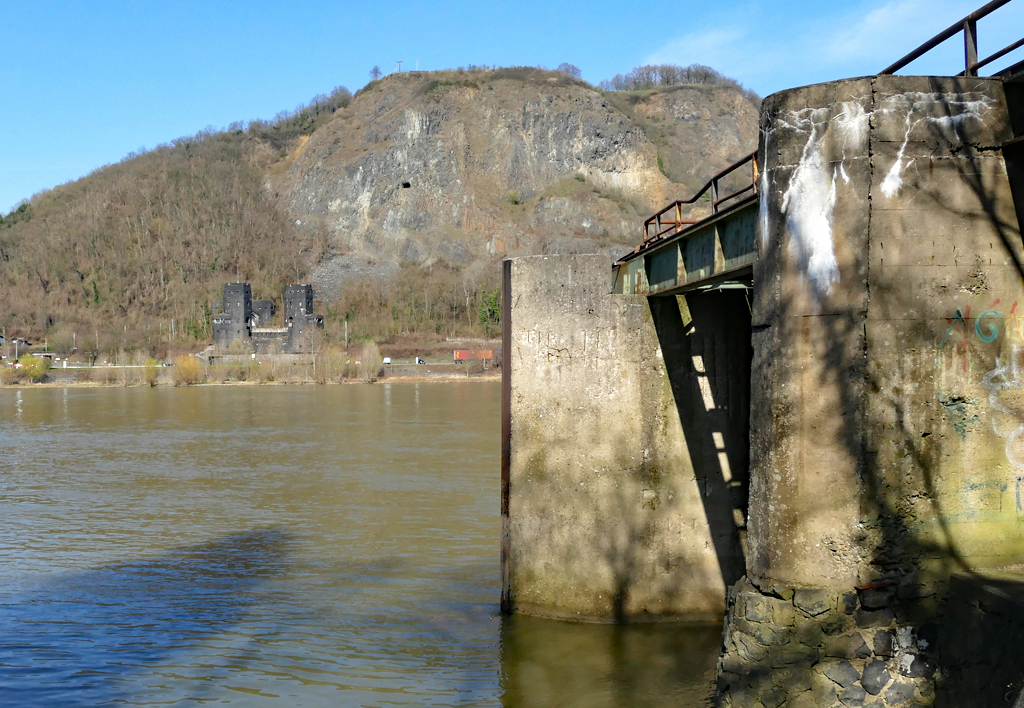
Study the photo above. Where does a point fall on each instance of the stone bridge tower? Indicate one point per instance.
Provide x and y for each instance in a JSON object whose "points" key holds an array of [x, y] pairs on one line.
{"points": [[234, 322]]}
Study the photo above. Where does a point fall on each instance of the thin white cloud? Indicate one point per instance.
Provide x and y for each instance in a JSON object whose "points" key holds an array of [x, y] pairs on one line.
{"points": [[893, 27], [846, 42], [707, 43], [727, 49]]}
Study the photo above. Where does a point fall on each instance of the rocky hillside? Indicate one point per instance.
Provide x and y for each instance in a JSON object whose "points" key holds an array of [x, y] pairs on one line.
{"points": [[415, 187], [458, 166]]}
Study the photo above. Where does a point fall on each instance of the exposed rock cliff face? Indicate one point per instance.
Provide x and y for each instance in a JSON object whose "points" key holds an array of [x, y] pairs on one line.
{"points": [[700, 129], [453, 169], [461, 166]]}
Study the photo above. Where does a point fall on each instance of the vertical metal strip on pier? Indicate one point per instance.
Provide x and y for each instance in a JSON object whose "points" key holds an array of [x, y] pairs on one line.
{"points": [[506, 427]]}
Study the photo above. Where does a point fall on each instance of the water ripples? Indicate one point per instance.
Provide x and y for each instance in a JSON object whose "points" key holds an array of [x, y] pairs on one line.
{"points": [[283, 546]]}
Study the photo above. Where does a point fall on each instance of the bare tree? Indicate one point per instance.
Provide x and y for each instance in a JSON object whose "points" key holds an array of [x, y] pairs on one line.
{"points": [[375, 73], [570, 70], [340, 98], [651, 76], [313, 341]]}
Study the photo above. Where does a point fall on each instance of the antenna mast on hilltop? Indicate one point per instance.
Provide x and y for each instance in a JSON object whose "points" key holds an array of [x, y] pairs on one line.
{"points": [[398, 66]]}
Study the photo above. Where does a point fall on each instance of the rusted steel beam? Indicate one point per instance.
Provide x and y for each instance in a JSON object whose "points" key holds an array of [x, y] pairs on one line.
{"points": [[720, 249], [973, 69], [1011, 72], [673, 226], [944, 35], [712, 185], [970, 46], [655, 244], [734, 194]]}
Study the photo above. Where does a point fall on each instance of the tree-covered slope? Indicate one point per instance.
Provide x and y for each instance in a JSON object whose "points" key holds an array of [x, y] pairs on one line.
{"points": [[396, 205]]}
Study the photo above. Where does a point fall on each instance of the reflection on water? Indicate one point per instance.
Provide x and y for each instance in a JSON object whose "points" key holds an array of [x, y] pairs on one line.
{"points": [[281, 546], [547, 663]]}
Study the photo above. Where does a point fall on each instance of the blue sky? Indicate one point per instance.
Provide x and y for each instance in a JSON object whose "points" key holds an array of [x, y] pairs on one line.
{"points": [[85, 83]]}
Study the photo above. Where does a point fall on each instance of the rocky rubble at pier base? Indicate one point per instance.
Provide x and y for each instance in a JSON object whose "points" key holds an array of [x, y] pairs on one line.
{"points": [[959, 644]]}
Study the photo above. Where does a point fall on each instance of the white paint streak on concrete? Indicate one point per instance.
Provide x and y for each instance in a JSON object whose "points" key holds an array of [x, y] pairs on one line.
{"points": [[762, 207], [852, 123], [808, 205], [810, 199], [959, 108], [893, 180], [842, 172]]}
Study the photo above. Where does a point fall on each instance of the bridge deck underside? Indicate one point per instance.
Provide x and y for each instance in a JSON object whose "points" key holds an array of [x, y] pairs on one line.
{"points": [[717, 249]]}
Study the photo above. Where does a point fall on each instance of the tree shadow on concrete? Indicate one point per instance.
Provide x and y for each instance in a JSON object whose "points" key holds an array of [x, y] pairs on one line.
{"points": [[847, 366], [77, 640], [982, 627], [893, 426], [619, 512], [605, 514], [976, 170]]}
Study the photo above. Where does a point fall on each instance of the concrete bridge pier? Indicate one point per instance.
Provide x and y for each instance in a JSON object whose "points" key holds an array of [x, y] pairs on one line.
{"points": [[834, 457], [627, 424], [886, 403]]}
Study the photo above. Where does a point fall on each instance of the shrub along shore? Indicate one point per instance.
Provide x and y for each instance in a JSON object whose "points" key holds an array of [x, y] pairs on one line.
{"points": [[191, 371], [323, 363]]}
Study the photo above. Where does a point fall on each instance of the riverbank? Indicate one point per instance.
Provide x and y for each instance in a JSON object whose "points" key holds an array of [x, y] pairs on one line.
{"points": [[106, 377]]}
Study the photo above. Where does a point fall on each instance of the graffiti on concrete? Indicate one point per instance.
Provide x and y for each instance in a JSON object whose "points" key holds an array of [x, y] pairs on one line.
{"points": [[958, 350], [990, 344], [953, 365], [1007, 420]]}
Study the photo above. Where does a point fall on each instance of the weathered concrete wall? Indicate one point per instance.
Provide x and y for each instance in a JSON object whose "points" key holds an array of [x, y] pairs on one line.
{"points": [[886, 404], [889, 273], [887, 450], [807, 358], [612, 512], [886, 291], [944, 335]]}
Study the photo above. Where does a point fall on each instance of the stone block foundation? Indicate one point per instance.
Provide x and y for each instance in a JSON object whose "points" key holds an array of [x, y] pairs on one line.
{"points": [[959, 645]]}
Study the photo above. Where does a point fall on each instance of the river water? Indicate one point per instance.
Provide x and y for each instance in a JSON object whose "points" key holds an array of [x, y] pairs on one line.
{"points": [[285, 546]]}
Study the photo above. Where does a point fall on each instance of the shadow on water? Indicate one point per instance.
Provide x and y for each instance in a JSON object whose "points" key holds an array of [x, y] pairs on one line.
{"points": [[127, 632], [78, 640]]}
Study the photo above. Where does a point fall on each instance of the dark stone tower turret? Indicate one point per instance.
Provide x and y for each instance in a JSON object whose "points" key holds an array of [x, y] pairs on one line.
{"points": [[298, 314], [298, 302], [234, 322]]}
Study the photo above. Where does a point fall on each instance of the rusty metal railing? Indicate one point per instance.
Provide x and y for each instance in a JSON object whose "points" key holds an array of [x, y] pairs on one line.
{"points": [[676, 225], [969, 26]]}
